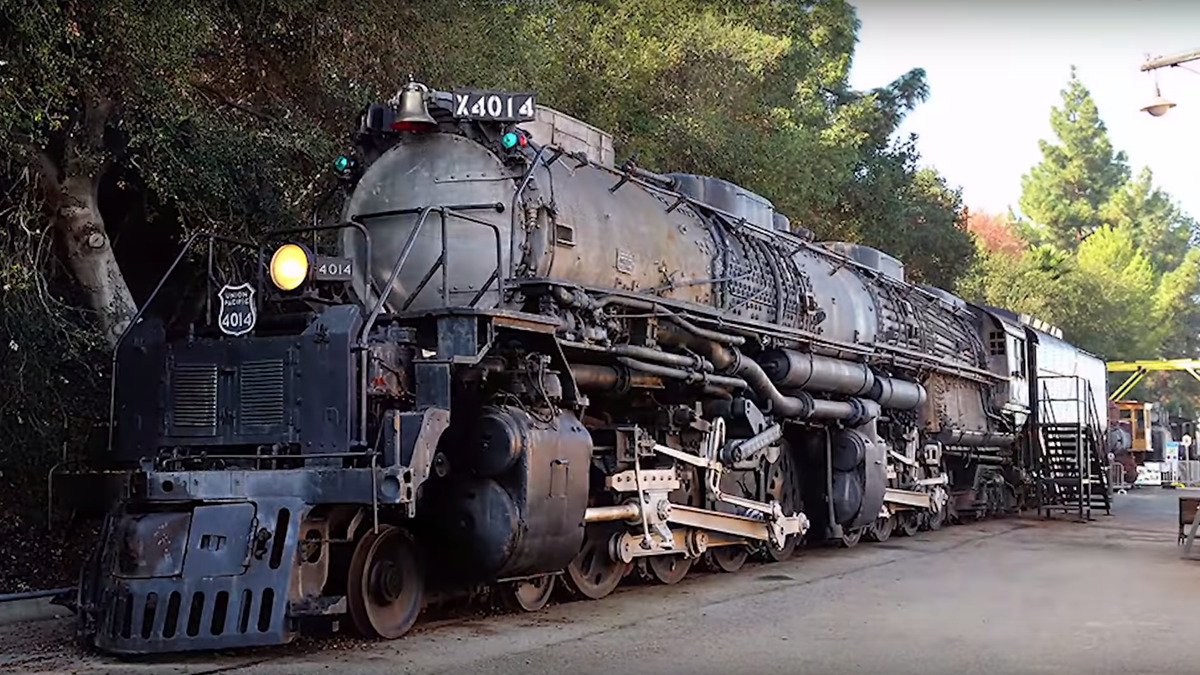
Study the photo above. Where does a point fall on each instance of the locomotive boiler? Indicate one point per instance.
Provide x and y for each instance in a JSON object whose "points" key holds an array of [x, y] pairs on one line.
{"points": [[523, 368]]}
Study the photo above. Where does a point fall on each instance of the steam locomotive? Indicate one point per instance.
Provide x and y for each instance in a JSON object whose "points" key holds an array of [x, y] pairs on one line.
{"points": [[525, 368]]}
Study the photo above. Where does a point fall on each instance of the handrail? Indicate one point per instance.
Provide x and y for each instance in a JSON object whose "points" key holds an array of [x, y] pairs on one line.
{"points": [[422, 216], [211, 236], [1088, 432], [377, 308], [514, 217]]}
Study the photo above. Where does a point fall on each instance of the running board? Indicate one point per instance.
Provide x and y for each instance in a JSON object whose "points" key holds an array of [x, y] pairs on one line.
{"points": [[919, 500]]}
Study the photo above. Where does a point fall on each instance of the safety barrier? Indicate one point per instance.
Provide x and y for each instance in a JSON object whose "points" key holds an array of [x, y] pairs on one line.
{"points": [[1187, 473], [1116, 478]]}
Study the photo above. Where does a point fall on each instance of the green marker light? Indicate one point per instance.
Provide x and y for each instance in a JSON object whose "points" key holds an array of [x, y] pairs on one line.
{"points": [[508, 140], [341, 163]]}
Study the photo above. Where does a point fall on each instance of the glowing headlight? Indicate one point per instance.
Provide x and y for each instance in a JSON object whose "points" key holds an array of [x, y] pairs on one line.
{"points": [[289, 267]]}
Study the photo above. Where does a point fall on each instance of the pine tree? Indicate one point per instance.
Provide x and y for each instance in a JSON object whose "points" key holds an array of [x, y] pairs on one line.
{"points": [[1064, 195]]}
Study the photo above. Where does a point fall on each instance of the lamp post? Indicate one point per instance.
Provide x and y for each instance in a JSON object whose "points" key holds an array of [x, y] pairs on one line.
{"points": [[1158, 106]]}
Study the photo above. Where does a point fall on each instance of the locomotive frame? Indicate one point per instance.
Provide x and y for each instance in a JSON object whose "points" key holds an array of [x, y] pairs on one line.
{"points": [[363, 441]]}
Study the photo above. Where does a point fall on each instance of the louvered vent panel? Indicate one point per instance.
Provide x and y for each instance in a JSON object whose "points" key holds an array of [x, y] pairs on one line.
{"points": [[194, 395], [261, 387]]}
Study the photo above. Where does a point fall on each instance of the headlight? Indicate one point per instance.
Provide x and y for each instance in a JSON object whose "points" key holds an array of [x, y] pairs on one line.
{"points": [[289, 267]]}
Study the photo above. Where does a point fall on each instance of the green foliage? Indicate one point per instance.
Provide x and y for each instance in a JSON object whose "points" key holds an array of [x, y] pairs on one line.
{"points": [[1065, 193], [756, 93], [53, 364]]}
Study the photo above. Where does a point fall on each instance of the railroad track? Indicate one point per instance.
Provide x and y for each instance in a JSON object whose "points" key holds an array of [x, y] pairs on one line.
{"points": [[18, 607]]}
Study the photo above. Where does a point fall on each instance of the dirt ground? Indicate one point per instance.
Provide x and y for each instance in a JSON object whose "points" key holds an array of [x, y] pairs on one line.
{"points": [[1019, 595]]}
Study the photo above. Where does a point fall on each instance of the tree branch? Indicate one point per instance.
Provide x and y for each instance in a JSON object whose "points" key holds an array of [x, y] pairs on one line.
{"points": [[223, 99]]}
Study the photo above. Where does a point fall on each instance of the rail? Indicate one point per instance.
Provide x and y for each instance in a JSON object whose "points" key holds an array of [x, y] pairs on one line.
{"points": [[33, 595]]}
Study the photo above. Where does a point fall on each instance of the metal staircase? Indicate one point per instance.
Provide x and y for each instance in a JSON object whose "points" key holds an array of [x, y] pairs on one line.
{"points": [[1072, 463]]}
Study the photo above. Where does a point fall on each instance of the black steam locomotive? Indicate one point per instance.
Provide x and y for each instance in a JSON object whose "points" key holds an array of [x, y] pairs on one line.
{"points": [[523, 367]]}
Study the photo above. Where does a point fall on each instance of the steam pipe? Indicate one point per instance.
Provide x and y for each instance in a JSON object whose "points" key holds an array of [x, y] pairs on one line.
{"points": [[801, 404], [603, 514], [790, 369], [611, 378], [897, 394], [678, 374], [730, 360], [974, 439], [668, 358], [655, 308]]}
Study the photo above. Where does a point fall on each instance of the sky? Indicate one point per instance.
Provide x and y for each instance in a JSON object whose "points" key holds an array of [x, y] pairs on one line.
{"points": [[995, 69]]}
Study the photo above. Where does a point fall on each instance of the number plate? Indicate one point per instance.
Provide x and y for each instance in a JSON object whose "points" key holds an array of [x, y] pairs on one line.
{"points": [[494, 106], [237, 313], [333, 269]]}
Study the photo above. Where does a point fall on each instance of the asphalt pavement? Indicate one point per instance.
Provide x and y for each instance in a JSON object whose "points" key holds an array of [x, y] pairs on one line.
{"points": [[1005, 596]]}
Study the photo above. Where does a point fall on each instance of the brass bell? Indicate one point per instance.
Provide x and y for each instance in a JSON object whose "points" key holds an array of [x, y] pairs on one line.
{"points": [[411, 111]]}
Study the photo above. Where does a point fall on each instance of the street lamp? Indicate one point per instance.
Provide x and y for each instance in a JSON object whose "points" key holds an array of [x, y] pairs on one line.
{"points": [[1158, 106]]}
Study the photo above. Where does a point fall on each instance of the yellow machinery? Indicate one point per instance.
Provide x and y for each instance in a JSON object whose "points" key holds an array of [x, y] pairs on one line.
{"points": [[1138, 369], [1138, 413]]}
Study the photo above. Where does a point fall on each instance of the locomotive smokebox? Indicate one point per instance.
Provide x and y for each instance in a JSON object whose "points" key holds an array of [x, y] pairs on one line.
{"points": [[431, 170]]}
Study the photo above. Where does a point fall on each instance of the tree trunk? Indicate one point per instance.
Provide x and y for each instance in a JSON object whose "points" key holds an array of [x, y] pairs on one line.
{"points": [[71, 186], [90, 256]]}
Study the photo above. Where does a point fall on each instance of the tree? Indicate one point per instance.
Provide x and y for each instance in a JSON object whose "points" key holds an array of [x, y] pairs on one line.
{"points": [[996, 233], [1159, 227], [1064, 195], [910, 213]]}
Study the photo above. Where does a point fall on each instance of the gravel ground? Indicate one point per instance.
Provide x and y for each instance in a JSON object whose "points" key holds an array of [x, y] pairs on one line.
{"points": [[1003, 596]]}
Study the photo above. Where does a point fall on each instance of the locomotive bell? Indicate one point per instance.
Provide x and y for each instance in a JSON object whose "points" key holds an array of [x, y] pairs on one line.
{"points": [[411, 112]]}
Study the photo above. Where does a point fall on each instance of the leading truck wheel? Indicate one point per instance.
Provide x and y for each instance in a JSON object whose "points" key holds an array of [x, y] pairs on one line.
{"points": [[385, 590]]}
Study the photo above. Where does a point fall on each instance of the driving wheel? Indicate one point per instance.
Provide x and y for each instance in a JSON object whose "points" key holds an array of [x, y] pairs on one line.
{"points": [[783, 486], [881, 529], [385, 589], [907, 523], [728, 558], [594, 573], [530, 595], [936, 518], [668, 569]]}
